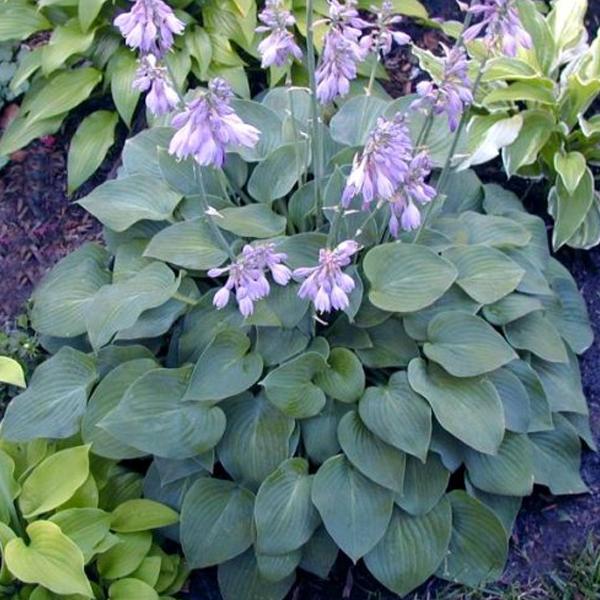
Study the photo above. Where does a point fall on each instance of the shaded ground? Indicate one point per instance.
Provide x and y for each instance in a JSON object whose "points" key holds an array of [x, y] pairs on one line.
{"points": [[39, 225]]}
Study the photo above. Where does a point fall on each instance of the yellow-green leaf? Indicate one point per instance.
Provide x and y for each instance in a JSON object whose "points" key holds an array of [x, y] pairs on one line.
{"points": [[142, 514], [11, 372]]}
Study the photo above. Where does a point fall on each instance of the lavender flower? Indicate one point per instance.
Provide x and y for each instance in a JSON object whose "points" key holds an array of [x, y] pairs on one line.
{"points": [[379, 169], [246, 277], [502, 26], [162, 97], [326, 284], [454, 91], [413, 190], [382, 35], [342, 51], [280, 45], [149, 26], [208, 125]]}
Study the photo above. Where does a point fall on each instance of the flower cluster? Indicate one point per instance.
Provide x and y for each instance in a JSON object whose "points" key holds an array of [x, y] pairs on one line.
{"points": [[208, 125], [326, 285], [149, 27], [453, 93], [161, 98], [247, 277], [343, 51], [280, 45], [383, 36], [390, 170], [501, 25]]}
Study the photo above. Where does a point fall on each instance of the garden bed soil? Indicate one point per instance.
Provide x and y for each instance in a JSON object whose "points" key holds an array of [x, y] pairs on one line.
{"points": [[39, 225]]}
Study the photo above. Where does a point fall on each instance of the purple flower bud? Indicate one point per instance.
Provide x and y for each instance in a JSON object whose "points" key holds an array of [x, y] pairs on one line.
{"points": [[246, 277], [382, 35], [280, 45], [453, 93], [379, 168], [208, 126], [162, 97], [501, 26], [149, 26], [342, 51], [326, 285]]}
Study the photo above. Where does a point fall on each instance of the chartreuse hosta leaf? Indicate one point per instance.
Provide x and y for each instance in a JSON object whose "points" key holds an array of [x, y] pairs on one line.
{"points": [[240, 579], [486, 274], [11, 372], [171, 427], [226, 368], [141, 514], [47, 487], [465, 345], [126, 556], [50, 559], [128, 588], [424, 484], [468, 408], [284, 514], [375, 459], [291, 386], [397, 415], [61, 299], [412, 548], [355, 510], [478, 544], [406, 277], [251, 418], [120, 203], [216, 522], [118, 306], [106, 397], [6, 535], [55, 400]]}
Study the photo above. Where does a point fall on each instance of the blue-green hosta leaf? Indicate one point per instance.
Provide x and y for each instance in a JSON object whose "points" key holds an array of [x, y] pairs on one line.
{"points": [[510, 308], [486, 274], [189, 244], [120, 203], [468, 408], [55, 400], [375, 459], [406, 278], [241, 579], [495, 231], [105, 398], [388, 346], [319, 553], [536, 334], [465, 345], [51, 560], [251, 418], [281, 308], [411, 549], [515, 399], [319, 433], [226, 368], [478, 544], [291, 386], [284, 514], [556, 458], [46, 487], [153, 418], [61, 299], [355, 511], [216, 522], [509, 473], [277, 345], [344, 379], [87, 527], [266, 121], [252, 220], [352, 124], [117, 306], [424, 484], [397, 415], [276, 567]]}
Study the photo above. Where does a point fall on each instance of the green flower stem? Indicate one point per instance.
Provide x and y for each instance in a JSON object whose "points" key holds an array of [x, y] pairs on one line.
{"points": [[185, 299], [317, 141], [373, 73], [297, 141]]}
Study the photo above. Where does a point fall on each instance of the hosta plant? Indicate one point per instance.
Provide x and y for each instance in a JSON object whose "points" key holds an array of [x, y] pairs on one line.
{"points": [[537, 108], [86, 58], [306, 376], [73, 525]]}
